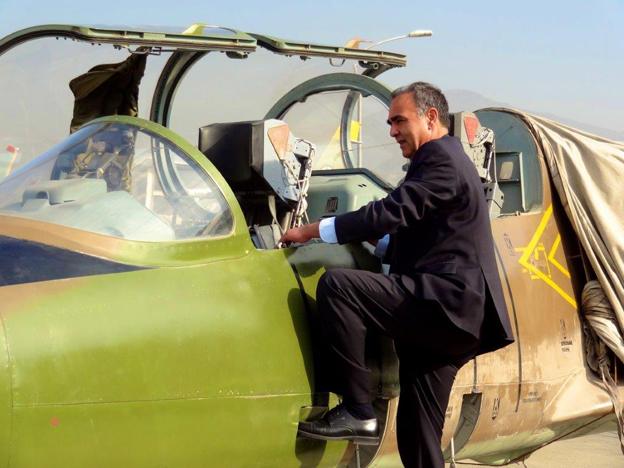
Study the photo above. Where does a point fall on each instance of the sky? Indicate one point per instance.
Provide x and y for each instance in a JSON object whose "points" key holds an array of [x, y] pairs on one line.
{"points": [[561, 58]]}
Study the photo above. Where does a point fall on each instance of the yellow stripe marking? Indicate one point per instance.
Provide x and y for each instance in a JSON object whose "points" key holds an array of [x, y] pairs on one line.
{"points": [[528, 250], [551, 257]]}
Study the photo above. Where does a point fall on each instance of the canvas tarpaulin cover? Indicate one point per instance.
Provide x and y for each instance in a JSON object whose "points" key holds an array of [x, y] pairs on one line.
{"points": [[587, 172]]}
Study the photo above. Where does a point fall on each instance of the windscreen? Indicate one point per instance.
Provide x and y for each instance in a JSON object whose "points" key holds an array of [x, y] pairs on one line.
{"points": [[119, 180]]}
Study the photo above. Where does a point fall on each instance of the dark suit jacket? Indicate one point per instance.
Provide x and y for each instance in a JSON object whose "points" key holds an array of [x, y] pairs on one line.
{"points": [[441, 244]]}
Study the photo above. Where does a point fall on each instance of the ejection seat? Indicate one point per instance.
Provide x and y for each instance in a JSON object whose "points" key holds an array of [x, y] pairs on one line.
{"points": [[265, 167]]}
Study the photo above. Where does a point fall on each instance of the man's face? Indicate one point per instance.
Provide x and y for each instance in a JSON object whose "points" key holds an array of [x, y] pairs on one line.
{"points": [[410, 129]]}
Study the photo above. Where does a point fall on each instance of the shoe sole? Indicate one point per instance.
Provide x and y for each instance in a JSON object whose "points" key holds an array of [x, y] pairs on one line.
{"points": [[362, 440]]}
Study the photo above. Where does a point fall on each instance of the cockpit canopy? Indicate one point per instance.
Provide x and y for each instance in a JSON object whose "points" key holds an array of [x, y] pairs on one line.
{"points": [[120, 177], [121, 180], [55, 77]]}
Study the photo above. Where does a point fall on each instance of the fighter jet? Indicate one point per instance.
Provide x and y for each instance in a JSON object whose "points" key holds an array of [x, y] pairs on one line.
{"points": [[149, 314]]}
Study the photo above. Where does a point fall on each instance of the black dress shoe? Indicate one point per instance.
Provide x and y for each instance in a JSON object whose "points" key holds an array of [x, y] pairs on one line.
{"points": [[339, 424]]}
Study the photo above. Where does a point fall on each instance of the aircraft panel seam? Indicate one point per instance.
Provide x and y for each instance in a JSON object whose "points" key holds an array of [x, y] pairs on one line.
{"points": [[11, 399], [515, 318], [156, 400]]}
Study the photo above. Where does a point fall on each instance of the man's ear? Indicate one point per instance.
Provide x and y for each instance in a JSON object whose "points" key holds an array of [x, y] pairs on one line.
{"points": [[432, 115]]}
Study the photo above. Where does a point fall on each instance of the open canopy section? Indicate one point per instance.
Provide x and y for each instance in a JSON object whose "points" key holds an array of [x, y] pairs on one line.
{"points": [[127, 71], [198, 37], [212, 39]]}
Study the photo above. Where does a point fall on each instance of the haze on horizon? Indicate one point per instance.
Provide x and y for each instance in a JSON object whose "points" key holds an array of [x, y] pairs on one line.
{"points": [[553, 58]]}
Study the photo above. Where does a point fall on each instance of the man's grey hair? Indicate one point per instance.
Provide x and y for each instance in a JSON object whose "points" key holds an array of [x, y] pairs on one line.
{"points": [[426, 95]]}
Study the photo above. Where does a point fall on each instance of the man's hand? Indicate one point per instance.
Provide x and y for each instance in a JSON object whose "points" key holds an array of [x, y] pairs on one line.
{"points": [[301, 234]]}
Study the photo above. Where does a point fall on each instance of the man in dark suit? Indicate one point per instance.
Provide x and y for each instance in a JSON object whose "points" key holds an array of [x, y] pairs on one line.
{"points": [[442, 302]]}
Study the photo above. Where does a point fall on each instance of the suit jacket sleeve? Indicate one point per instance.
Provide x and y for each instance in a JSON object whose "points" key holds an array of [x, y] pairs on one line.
{"points": [[430, 184]]}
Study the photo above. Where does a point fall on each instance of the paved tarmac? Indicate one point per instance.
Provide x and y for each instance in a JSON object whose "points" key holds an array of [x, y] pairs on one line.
{"points": [[600, 450]]}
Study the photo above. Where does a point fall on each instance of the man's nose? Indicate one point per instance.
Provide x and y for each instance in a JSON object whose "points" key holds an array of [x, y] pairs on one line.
{"points": [[393, 131]]}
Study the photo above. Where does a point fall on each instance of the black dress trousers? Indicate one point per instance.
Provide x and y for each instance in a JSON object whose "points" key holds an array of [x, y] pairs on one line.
{"points": [[429, 346]]}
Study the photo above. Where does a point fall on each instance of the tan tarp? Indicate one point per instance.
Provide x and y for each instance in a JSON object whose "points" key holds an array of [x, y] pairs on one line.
{"points": [[588, 173]]}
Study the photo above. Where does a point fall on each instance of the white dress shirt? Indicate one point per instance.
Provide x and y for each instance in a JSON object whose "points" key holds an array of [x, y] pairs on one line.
{"points": [[327, 231]]}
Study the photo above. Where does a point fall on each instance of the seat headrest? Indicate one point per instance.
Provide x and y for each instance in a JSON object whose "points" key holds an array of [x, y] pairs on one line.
{"points": [[230, 147]]}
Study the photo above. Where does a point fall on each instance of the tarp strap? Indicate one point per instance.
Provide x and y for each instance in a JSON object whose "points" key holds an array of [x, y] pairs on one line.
{"points": [[601, 317], [611, 388]]}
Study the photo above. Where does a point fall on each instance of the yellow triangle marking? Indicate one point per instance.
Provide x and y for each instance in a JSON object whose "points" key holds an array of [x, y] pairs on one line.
{"points": [[536, 272]]}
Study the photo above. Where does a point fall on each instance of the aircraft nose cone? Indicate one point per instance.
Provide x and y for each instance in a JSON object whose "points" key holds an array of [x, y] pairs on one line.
{"points": [[5, 398]]}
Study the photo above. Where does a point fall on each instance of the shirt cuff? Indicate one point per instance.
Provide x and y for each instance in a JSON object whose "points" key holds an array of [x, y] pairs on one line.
{"points": [[382, 246], [327, 230]]}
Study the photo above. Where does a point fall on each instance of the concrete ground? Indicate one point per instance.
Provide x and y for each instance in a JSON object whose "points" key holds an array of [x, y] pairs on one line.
{"points": [[600, 450]]}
